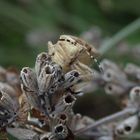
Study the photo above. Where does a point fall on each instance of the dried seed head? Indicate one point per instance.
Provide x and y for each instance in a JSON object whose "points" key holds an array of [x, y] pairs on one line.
{"points": [[135, 94], [8, 89], [71, 78], [46, 136], [63, 118], [69, 99], [127, 127], [133, 70], [112, 73], [46, 78], [28, 79], [78, 122], [107, 64], [114, 89], [109, 75], [30, 87], [65, 104], [8, 109], [41, 60], [60, 131], [60, 118]]}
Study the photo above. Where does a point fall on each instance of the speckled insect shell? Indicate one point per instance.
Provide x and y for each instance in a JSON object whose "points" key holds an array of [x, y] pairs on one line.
{"points": [[69, 49]]}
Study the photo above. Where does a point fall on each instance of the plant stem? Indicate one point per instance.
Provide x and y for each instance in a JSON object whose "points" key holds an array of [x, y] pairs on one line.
{"points": [[119, 115], [129, 29]]}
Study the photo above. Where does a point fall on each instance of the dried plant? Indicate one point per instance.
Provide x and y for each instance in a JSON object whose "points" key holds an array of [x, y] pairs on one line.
{"points": [[42, 109]]}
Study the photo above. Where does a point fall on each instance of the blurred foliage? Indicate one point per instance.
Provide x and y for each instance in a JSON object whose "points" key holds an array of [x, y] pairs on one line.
{"points": [[19, 18]]}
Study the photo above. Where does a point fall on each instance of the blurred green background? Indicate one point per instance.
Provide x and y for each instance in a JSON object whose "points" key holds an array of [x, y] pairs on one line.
{"points": [[27, 25]]}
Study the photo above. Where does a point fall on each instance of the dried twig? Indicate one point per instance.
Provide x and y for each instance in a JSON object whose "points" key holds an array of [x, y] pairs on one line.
{"points": [[122, 114]]}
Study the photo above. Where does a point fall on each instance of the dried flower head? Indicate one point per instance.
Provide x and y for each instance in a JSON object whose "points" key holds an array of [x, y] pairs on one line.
{"points": [[8, 109], [49, 90], [127, 127]]}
